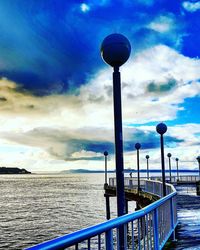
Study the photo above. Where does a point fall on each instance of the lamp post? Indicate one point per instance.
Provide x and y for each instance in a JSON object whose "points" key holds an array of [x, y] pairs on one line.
{"points": [[177, 159], [115, 51], [161, 128], [106, 154], [138, 146], [170, 170], [105, 186], [198, 159], [147, 157]]}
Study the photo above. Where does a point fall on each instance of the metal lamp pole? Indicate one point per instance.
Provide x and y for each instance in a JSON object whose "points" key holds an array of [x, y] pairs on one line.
{"points": [[138, 146], [106, 154], [198, 159], [161, 128], [147, 157], [105, 186], [170, 170], [115, 51], [177, 159]]}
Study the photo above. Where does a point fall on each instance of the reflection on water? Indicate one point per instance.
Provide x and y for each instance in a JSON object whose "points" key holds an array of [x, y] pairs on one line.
{"points": [[35, 208]]}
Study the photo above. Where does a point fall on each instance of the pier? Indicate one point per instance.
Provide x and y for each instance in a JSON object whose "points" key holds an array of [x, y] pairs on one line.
{"points": [[149, 227], [158, 221]]}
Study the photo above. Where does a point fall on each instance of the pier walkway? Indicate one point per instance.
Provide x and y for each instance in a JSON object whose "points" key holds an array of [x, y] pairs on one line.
{"points": [[188, 209], [188, 229]]}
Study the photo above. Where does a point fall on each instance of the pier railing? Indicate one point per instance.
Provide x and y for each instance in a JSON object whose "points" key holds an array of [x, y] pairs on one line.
{"points": [[146, 185], [186, 179], [147, 228]]}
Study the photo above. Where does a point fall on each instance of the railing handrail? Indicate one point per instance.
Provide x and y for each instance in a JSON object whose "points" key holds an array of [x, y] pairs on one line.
{"points": [[83, 234]]}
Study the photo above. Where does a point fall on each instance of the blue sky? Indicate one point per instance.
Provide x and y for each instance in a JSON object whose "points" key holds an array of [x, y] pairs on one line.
{"points": [[56, 107]]}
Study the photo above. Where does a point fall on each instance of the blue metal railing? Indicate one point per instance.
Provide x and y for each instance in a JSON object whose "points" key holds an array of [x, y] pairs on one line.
{"points": [[147, 228]]}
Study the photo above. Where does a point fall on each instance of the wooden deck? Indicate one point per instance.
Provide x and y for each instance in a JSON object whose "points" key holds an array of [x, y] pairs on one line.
{"points": [[142, 198], [188, 229]]}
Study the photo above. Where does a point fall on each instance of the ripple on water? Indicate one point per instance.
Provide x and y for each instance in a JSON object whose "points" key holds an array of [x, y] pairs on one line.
{"points": [[37, 208]]}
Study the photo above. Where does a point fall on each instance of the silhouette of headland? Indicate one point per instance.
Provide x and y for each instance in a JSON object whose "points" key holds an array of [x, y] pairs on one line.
{"points": [[5, 170]]}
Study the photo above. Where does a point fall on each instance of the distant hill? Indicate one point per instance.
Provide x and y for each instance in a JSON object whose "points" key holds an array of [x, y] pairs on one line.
{"points": [[5, 170], [85, 171]]}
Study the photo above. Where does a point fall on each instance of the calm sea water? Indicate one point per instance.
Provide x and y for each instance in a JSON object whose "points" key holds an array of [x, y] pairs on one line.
{"points": [[36, 208]]}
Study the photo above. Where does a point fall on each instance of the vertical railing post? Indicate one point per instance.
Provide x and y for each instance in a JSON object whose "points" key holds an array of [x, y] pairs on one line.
{"points": [[155, 229], [153, 187], [109, 240], [172, 217], [139, 234]]}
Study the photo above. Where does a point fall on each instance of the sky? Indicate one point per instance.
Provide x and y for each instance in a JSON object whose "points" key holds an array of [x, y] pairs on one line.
{"points": [[56, 99]]}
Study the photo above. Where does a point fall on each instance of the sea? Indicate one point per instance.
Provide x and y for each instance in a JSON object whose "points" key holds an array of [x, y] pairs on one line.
{"points": [[36, 208]]}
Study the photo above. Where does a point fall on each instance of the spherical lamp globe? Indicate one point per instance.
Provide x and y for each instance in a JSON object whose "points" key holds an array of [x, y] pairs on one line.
{"points": [[105, 153], [115, 50], [161, 128], [137, 145]]}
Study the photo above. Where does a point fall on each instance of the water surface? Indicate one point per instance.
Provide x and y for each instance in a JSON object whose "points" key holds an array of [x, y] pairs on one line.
{"points": [[34, 208]]}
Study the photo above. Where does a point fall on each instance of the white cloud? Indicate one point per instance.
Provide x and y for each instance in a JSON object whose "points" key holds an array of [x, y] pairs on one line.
{"points": [[84, 7], [162, 24], [191, 6], [46, 125], [86, 154], [158, 65]]}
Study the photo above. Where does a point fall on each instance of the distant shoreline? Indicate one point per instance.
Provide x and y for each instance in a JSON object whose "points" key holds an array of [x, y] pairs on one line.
{"points": [[7, 170], [85, 171]]}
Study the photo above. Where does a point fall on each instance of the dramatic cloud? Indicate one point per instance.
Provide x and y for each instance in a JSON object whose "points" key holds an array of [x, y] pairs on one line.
{"points": [[65, 124], [56, 94], [158, 79], [52, 47]]}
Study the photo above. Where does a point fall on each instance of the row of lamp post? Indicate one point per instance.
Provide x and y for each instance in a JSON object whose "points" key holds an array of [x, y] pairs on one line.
{"points": [[169, 155], [161, 128], [115, 51]]}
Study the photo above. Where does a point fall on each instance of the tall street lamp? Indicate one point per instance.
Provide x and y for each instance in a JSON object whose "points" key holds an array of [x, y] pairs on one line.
{"points": [[170, 170], [115, 51], [138, 146], [198, 159], [106, 154], [161, 128], [177, 159], [147, 157]]}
